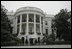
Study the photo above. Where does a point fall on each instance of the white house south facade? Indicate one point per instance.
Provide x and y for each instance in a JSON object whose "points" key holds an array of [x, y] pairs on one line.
{"points": [[30, 23]]}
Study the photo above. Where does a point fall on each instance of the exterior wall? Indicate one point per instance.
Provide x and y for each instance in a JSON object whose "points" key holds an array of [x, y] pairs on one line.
{"points": [[11, 17], [48, 26]]}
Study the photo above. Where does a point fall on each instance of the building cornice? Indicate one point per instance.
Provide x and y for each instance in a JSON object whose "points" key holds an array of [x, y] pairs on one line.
{"points": [[29, 11], [29, 8]]}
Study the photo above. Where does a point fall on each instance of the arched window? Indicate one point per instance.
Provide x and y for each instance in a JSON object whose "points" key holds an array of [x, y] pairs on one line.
{"points": [[22, 40], [38, 39]]}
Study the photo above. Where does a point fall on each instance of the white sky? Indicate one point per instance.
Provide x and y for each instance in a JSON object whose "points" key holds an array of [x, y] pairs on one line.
{"points": [[50, 7]]}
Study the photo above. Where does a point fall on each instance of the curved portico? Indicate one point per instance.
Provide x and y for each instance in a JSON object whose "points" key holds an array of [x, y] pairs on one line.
{"points": [[29, 23]]}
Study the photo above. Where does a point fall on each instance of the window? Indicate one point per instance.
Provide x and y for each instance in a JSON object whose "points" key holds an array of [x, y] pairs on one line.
{"points": [[18, 19], [31, 28], [42, 20], [46, 31], [18, 29], [23, 29], [46, 23], [42, 28], [31, 40], [38, 28], [24, 17], [31, 17], [37, 18]]}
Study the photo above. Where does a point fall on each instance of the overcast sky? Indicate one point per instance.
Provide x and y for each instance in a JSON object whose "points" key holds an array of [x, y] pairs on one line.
{"points": [[50, 7]]}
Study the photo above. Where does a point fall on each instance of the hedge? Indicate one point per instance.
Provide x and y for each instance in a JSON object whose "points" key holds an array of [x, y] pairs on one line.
{"points": [[57, 42]]}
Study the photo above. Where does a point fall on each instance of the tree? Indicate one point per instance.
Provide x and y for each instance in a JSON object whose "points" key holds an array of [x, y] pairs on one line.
{"points": [[62, 25], [6, 35], [5, 25]]}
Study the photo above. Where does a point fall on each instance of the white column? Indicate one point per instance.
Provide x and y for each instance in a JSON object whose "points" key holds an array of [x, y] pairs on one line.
{"points": [[43, 26], [40, 26], [16, 25], [27, 25], [27, 32], [34, 23], [20, 24]]}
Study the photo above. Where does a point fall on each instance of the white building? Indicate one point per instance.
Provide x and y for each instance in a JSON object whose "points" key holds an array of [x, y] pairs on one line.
{"points": [[30, 23]]}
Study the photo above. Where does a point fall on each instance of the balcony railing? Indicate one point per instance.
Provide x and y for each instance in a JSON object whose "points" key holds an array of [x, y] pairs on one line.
{"points": [[22, 33], [31, 32], [38, 33]]}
